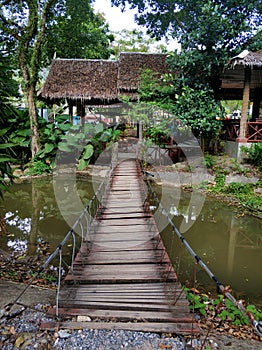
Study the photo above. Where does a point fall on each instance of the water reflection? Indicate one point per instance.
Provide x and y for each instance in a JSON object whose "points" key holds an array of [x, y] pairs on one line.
{"points": [[29, 215], [231, 246]]}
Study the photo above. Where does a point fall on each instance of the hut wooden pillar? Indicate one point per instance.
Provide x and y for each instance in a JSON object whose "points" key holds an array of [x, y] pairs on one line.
{"points": [[257, 102], [70, 107], [80, 111], [244, 113]]}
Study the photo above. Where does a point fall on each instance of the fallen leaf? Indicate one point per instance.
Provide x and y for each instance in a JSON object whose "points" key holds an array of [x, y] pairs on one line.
{"points": [[12, 330], [19, 341]]}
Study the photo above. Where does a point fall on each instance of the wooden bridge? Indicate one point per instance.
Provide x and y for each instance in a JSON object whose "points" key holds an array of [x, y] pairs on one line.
{"points": [[124, 279]]}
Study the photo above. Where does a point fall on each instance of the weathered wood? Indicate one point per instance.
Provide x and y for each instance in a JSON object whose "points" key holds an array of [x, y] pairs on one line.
{"points": [[177, 328], [125, 272]]}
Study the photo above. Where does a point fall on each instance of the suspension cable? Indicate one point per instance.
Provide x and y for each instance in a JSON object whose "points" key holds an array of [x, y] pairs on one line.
{"points": [[225, 290]]}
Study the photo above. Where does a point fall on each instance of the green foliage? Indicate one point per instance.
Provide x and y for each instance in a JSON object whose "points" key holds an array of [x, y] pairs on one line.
{"points": [[225, 309], [77, 32], [238, 188], [8, 89], [209, 161], [158, 134], [201, 23], [38, 167], [254, 154]]}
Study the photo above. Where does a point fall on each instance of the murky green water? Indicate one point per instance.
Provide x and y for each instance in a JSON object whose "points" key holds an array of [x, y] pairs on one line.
{"points": [[231, 246], [30, 214]]}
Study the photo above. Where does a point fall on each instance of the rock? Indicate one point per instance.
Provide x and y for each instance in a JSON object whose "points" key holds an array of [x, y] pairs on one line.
{"points": [[63, 334], [83, 319], [258, 190]]}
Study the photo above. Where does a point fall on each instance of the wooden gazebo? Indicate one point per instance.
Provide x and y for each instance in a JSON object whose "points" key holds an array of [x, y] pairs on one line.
{"points": [[242, 80]]}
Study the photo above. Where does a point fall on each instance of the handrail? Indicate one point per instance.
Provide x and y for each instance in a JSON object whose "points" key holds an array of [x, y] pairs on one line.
{"points": [[93, 202], [225, 290]]}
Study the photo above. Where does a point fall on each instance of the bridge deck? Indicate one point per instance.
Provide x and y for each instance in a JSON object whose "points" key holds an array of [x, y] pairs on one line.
{"points": [[125, 278]]}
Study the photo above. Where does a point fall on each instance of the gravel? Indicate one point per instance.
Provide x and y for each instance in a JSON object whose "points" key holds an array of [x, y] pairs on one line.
{"points": [[20, 328]]}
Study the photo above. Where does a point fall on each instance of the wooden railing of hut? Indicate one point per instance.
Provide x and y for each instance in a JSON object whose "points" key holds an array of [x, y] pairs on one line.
{"points": [[230, 130]]}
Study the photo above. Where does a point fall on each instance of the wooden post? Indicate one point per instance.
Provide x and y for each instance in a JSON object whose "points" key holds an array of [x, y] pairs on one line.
{"points": [[257, 101], [244, 112], [70, 112]]}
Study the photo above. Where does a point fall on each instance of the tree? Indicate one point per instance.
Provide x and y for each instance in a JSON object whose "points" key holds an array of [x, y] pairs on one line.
{"points": [[135, 41], [78, 33], [23, 27], [8, 88]]}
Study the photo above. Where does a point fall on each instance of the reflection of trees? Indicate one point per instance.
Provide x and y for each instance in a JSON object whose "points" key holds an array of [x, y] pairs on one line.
{"points": [[32, 214], [35, 214]]}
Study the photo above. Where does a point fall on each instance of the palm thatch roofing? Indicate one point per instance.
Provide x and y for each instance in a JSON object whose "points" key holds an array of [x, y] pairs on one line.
{"points": [[99, 81], [78, 79], [233, 77]]}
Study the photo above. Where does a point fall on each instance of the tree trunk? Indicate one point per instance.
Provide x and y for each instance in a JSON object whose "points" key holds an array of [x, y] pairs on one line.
{"points": [[34, 127]]}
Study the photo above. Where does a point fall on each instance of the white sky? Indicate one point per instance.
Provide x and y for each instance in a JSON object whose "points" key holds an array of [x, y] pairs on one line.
{"points": [[118, 20]]}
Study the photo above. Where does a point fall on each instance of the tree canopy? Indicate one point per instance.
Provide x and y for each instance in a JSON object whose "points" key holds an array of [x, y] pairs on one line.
{"points": [[77, 32], [211, 24]]}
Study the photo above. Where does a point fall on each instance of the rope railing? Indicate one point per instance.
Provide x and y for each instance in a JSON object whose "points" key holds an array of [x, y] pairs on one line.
{"points": [[220, 287]]}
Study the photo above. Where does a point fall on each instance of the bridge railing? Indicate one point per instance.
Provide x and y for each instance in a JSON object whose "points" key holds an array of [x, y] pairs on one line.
{"points": [[224, 290], [83, 224]]}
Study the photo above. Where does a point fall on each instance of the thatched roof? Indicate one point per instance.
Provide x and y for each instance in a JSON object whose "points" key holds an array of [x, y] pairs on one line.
{"points": [[77, 79], [233, 77], [132, 64], [99, 81], [247, 59]]}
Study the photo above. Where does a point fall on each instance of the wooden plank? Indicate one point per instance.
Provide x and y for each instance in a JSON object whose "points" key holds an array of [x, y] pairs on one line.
{"points": [[173, 328]]}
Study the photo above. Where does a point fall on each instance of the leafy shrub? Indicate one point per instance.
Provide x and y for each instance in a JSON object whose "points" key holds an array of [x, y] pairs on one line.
{"points": [[254, 154], [38, 167], [238, 188], [209, 161]]}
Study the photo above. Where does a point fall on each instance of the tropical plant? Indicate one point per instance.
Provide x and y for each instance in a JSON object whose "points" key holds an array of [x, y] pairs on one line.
{"points": [[8, 88], [24, 26], [254, 154]]}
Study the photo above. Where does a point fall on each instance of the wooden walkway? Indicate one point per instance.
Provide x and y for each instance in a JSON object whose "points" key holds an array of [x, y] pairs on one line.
{"points": [[125, 279]]}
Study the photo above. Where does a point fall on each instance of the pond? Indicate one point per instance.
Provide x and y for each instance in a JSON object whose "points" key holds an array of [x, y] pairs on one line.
{"points": [[231, 246]]}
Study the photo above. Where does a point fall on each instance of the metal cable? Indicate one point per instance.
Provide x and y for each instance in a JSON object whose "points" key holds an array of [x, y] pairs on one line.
{"points": [[257, 325], [59, 281]]}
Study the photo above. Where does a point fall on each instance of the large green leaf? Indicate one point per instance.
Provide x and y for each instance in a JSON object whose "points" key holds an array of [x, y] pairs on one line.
{"points": [[88, 152], [65, 127], [4, 131], [6, 145], [49, 147], [6, 158], [82, 164]]}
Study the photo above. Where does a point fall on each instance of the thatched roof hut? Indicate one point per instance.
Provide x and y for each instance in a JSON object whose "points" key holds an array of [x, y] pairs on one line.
{"points": [[89, 81], [233, 78], [242, 79], [246, 58], [99, 81]]}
